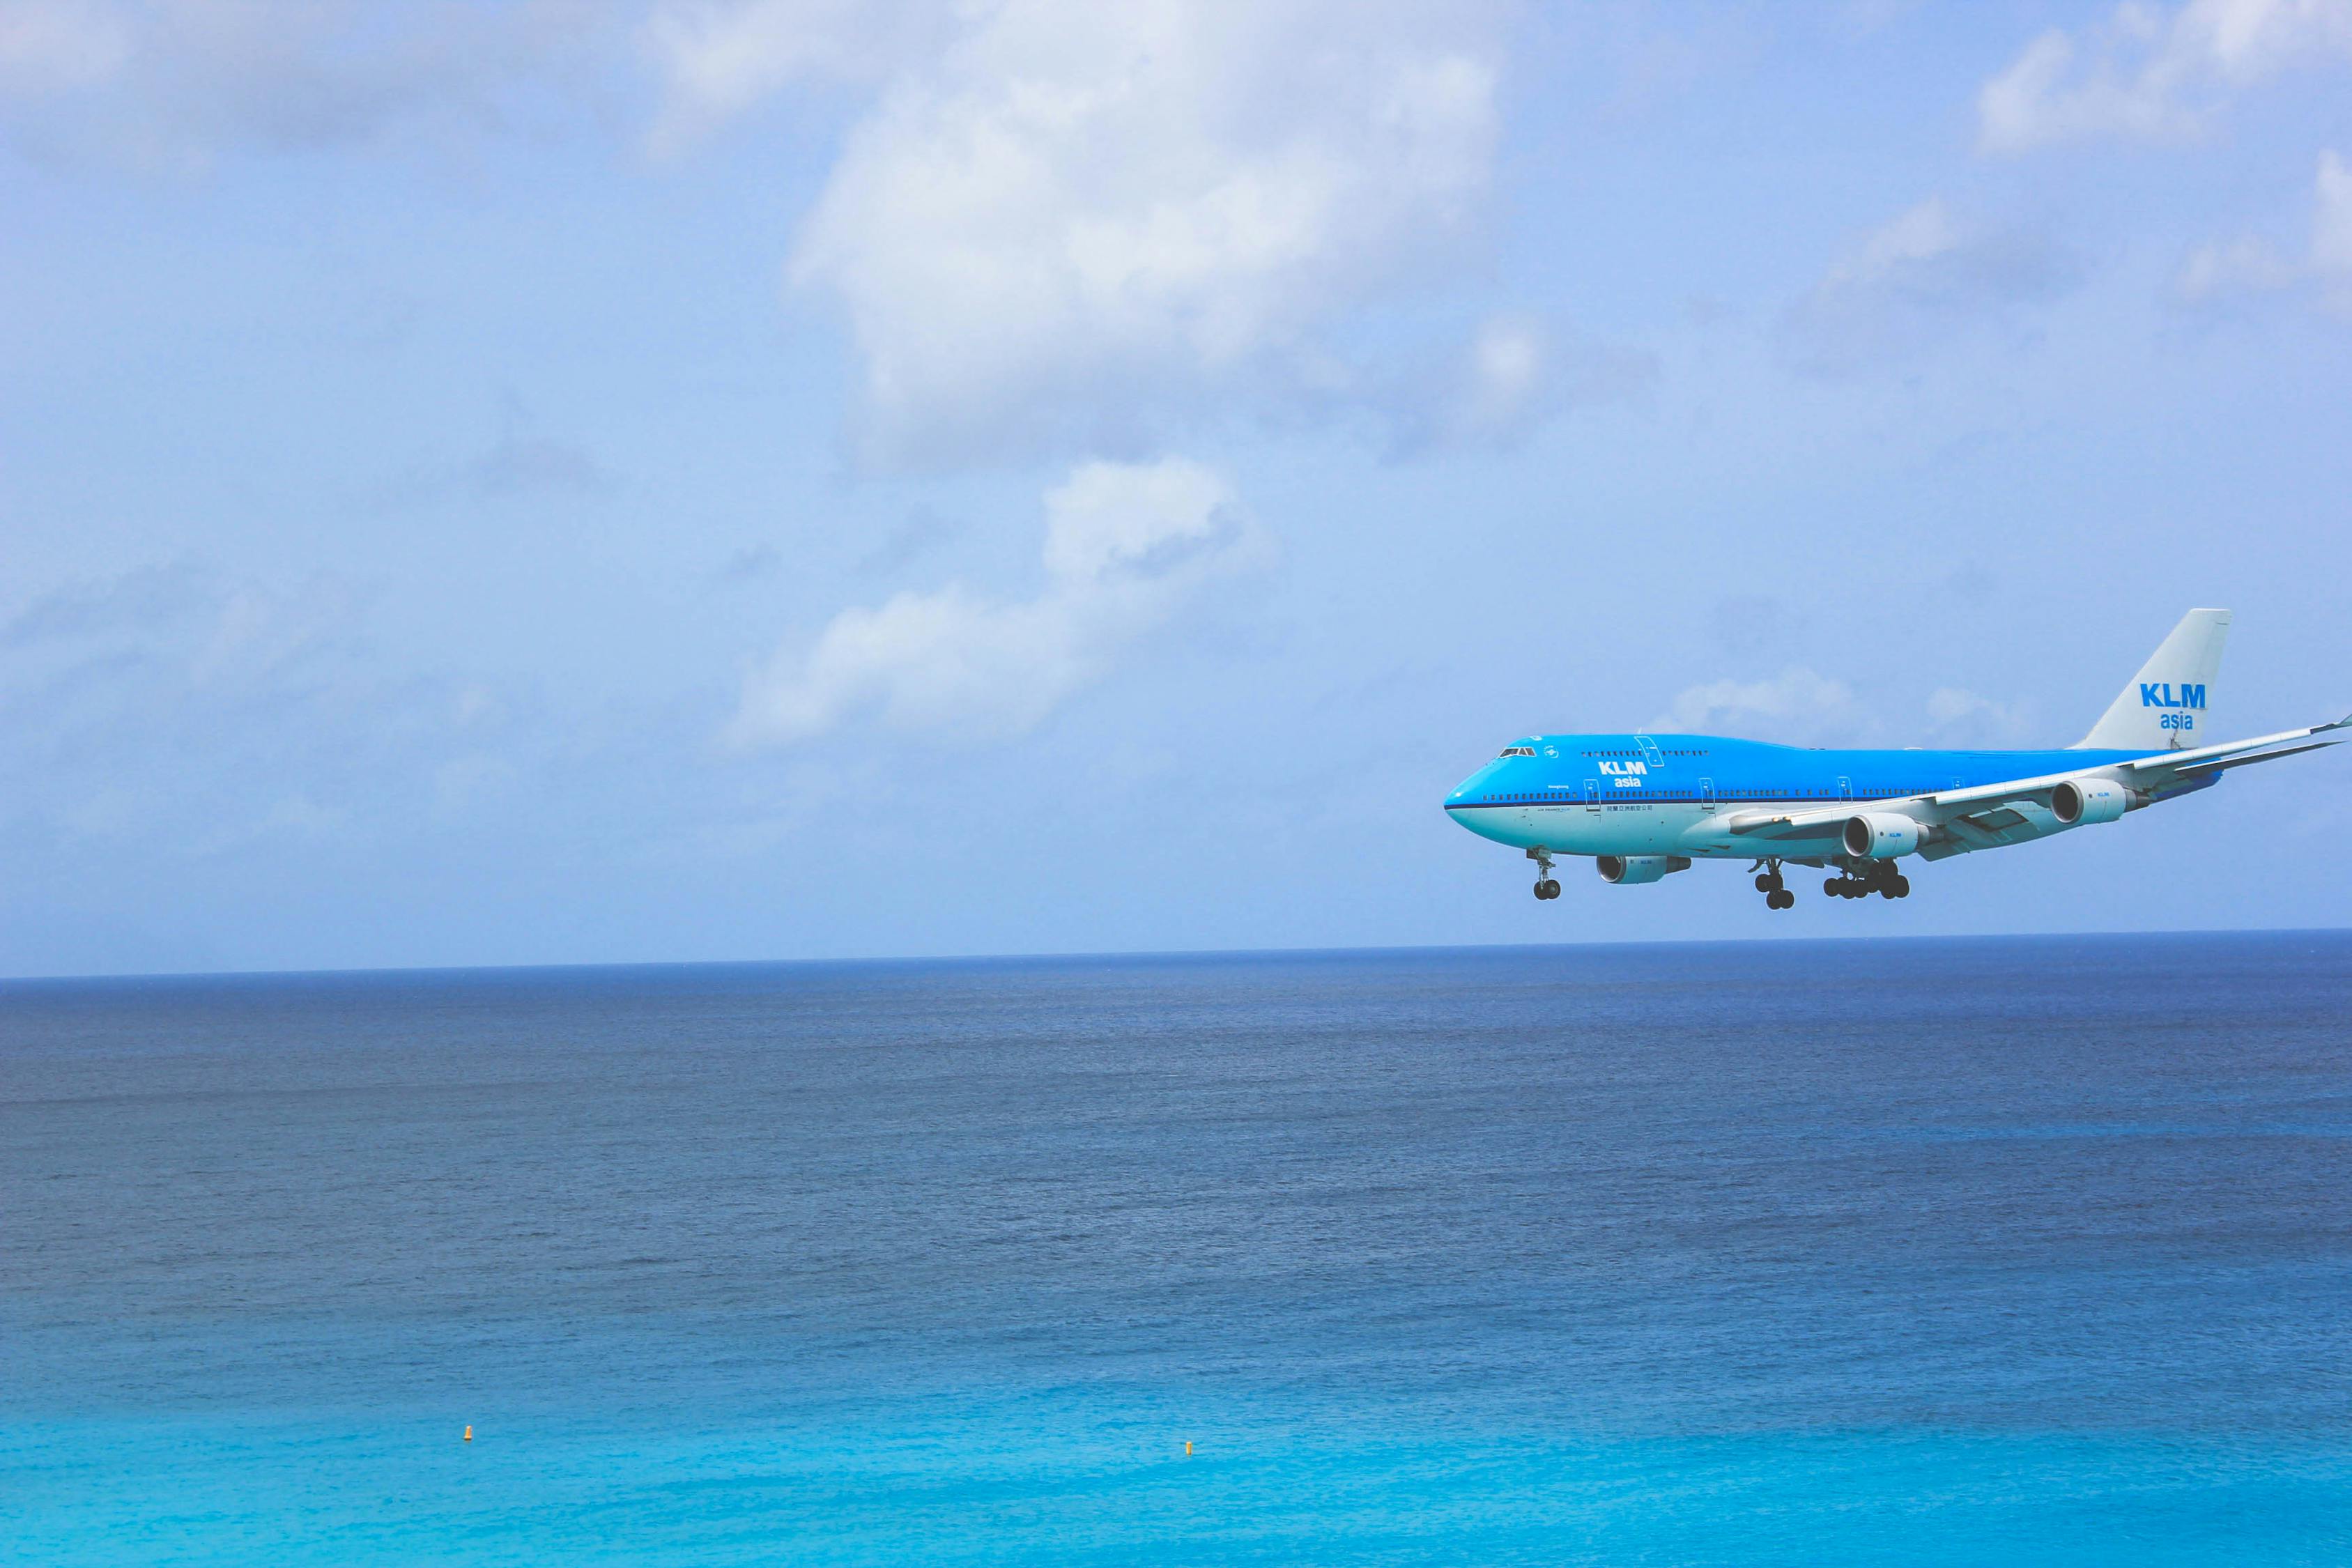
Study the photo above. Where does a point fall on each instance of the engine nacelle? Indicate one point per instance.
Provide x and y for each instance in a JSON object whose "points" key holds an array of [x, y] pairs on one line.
{"points": [[2078, 801], [1882, 836], [1618, 870]]}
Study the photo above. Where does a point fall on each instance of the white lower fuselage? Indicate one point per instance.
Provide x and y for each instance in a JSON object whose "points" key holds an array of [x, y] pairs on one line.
{"points": [[1661, 828]]}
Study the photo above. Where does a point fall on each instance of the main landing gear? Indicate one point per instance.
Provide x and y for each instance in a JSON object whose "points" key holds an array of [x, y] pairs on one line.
{"points": [[1864, 878], [1545, 887], [1769, 883]]}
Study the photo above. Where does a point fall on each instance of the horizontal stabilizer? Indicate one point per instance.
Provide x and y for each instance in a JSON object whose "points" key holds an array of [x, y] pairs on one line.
{"points": [[2216, 765]]}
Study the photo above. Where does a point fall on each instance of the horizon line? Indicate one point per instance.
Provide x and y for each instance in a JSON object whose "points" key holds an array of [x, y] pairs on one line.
{"points": [[1113, 955]]}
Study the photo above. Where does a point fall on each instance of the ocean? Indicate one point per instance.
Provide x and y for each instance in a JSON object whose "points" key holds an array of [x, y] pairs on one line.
{"points": [[2030, 1250]]}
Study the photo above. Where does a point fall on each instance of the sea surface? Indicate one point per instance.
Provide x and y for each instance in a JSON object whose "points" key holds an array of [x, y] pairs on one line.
{"points": [[1923, 1251]]}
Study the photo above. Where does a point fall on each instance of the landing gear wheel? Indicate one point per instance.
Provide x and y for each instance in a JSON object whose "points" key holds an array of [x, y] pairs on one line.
{"points": [[1547, 889], [1902, 886], [1766, 881], [1780, 899]]}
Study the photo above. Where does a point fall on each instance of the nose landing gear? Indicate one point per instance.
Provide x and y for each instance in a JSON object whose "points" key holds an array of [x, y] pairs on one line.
{"points": [[1545, 887], [1768, 882]]}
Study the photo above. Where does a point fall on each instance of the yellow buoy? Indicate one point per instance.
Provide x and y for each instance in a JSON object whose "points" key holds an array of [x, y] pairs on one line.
{"points": [[469, 1434], [1188, 1444]]}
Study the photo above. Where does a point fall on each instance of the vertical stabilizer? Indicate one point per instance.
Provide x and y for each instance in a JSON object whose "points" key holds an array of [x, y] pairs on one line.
{"points": [[2165, 706]]}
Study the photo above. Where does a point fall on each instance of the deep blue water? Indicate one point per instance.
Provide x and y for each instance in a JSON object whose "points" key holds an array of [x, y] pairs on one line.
{"points": [[2034, 1251]]}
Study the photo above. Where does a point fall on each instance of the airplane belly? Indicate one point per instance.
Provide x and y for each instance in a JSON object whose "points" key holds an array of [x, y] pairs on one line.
{"points": [[1611, 827], [1621, 828], [1521, 827]]}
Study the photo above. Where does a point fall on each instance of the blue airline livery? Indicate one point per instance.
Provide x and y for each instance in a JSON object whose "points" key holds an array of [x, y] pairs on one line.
{"points": [[1647, 805]]}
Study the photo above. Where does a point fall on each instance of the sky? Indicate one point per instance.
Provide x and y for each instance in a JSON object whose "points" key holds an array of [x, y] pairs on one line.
{"points": [[618, 480]]}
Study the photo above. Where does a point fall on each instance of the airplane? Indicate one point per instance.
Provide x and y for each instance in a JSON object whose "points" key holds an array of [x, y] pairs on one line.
{"points": [[1645, 806]]}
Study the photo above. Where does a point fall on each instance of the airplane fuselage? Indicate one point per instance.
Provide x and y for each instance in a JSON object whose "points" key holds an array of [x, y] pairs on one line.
{"points": [[1683, 795]]}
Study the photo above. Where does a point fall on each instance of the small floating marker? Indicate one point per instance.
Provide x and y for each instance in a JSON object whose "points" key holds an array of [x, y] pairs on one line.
{"points": [[1188, 1444], [469, 1437]]}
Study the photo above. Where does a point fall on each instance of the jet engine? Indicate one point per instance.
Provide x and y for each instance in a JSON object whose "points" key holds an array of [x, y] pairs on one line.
{"points": [[1882, 836], [1620, 869], [2088, 800]]}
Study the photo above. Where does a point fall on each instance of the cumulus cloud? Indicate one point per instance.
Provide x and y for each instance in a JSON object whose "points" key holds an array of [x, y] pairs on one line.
{"points": [[1053, 226], [2151, 74], [1796, 704], [1127, 548], [1074, 213], [1919, 273], [2252, 263]]}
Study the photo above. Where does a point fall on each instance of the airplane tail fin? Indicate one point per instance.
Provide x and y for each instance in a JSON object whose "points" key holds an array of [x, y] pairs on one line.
{"points": [[2164, 706]]}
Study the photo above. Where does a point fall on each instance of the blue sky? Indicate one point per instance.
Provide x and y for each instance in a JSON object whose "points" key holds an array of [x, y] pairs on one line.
{"points": [[579, 481]]}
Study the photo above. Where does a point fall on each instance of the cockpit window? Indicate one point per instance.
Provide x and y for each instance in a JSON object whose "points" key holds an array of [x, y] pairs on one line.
{"points": [[1519, 750]]}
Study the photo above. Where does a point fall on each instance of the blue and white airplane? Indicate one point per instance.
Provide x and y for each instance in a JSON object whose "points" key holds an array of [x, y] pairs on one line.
{"points": [[1647, 805]]}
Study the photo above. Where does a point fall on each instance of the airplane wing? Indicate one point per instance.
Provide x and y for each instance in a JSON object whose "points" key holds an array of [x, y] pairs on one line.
{"points": [[2147, 772], [1980, 816]]}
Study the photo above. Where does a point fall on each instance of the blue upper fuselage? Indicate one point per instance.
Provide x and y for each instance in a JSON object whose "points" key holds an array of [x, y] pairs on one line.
{"points": [[1713, 769]]}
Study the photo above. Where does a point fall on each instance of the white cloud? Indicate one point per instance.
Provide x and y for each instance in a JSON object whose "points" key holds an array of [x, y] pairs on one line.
{"points": [[1921, 271], [1054, 226], [2152, 73], [2253, 263], [1127, 547], [1077, 214], [1796, 704]]}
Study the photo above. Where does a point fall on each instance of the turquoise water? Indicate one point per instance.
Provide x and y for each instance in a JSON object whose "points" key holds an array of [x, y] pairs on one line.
{"points": [[1983, 1251], [1053, 1484]]}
